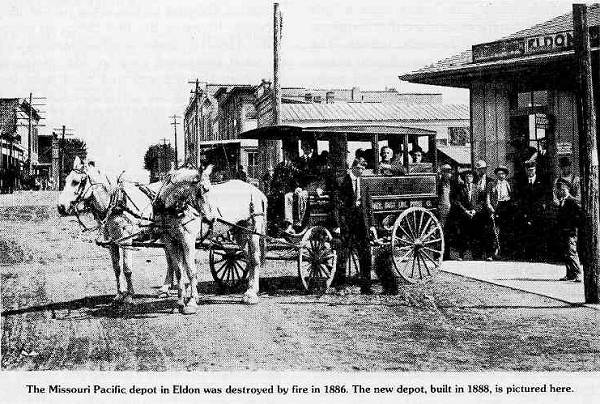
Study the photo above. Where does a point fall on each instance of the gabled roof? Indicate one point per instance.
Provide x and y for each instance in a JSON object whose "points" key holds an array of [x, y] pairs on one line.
{"points": [[373, 112], [464, 60], [460, 154]]}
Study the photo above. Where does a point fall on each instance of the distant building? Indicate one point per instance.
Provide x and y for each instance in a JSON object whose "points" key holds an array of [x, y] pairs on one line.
{"points": [[18, 149], [218, 113], [355, 94]]}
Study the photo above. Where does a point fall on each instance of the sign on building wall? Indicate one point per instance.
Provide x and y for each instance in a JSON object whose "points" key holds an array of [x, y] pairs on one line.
{"points": [[564, 148], [530, 45]]}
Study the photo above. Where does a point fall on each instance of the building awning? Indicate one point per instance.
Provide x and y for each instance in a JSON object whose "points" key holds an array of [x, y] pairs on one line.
{"points": [[459, 154], [205, 144]]}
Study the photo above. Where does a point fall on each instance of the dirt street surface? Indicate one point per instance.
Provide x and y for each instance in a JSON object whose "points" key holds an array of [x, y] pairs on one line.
{"points": [[57, 288]]}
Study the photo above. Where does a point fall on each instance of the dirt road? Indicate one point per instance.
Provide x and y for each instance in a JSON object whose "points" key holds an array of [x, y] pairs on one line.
{"points": [[56, 314]]}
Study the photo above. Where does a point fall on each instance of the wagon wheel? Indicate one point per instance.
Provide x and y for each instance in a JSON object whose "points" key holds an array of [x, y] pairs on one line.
{"points": [[228, 267], [316, 259], [417, 245]]}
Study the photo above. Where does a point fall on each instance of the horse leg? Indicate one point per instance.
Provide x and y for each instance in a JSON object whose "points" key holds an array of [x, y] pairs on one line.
{"points": [[253, 265], [163, 291], [173, 257], [115, 256], [127, 264], [189, 251]]}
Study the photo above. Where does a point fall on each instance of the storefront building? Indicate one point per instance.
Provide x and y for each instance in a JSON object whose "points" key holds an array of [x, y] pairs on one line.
{"points": [[522, 92]]}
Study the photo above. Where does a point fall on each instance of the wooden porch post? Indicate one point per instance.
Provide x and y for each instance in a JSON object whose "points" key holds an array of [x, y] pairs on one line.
{"points": [[588, 155]]}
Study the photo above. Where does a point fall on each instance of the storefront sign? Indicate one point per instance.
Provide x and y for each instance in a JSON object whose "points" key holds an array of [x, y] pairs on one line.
{"points": [[531, 45], [564, 148]]}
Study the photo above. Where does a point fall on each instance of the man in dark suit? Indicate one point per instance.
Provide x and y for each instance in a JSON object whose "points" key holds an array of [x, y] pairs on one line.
{"points": [[532, 198], [464, 200], [484, 226], [350, 223], [569, 220], [307, 164], [281, 189]]}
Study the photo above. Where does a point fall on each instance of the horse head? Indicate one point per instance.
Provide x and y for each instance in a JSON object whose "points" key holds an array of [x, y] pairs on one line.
{"points": [[84, 188], [182, 187]]}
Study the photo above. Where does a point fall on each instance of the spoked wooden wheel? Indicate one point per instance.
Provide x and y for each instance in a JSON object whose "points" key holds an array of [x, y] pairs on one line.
{"points": [[417, 245], [316, 259], [228, 267]]}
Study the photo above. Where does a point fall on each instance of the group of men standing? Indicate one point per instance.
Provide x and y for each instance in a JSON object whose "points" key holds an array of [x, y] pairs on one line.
{"points": [[527, 219]]}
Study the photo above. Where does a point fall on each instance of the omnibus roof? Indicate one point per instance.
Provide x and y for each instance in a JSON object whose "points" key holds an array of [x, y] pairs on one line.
{"points": [[361, 133]]}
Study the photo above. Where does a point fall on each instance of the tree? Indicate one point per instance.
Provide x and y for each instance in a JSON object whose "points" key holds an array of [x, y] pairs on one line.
{"points": [[73, 147], [158, 159]]}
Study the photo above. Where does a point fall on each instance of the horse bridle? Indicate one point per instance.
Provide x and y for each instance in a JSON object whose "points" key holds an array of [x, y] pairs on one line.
{"points": [[86, 186]]}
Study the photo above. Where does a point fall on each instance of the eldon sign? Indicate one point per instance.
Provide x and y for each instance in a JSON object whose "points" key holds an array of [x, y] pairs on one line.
{"points": [[530, 45]]}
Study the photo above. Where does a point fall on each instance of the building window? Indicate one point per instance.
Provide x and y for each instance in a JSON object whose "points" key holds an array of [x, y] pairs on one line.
{"points": [[253, 164], [531, 99], [459, 136], [442, 142]]}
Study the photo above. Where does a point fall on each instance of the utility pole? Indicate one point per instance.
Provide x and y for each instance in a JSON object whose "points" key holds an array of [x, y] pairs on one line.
{"points": [[61, 174], [588, 156], [175, 123], [276, 56], [271, 150]]}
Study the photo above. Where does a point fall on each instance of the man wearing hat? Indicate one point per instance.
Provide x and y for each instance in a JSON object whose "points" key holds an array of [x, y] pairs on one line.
{"points": [[464, 202], [499, 204], [417, 165], [567, 174], [350, 224], [445, 192], [569, 220], [483, 219], [533, 195]]}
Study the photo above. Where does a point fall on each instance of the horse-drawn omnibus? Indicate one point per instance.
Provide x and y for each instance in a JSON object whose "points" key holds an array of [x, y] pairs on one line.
{"points": [[399, 209]]}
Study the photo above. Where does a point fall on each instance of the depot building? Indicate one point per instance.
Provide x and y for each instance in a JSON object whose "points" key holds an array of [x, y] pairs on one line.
{"points": [[522, 92]]}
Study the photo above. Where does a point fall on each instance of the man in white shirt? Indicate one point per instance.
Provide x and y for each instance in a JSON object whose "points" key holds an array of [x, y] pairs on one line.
{"points": [[499, 204]]}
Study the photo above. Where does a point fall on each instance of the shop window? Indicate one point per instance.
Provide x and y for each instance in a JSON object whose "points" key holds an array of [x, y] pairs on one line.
{"points": [[459, 136], [253, 164], [442, 142], [531, 99], [539, 125]]}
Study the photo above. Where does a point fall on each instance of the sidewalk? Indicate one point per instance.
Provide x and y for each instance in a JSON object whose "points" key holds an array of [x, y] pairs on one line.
{"points": [[537, 278]]}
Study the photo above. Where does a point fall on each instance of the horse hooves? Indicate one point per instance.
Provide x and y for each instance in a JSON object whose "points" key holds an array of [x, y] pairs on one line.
{"points": [[189, 309], [118, 298], [162, 295], [128, 299], [250, 299]]}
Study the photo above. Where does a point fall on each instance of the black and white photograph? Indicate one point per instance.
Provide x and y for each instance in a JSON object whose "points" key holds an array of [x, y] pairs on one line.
{"points": [[299, 201]]}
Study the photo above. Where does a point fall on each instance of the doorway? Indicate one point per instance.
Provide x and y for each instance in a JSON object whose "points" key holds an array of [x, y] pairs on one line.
{"points": [[528, 143]]}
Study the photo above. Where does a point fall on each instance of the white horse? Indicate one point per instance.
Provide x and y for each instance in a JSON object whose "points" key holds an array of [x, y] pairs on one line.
{"points": [[87, 189], [189, 207]]}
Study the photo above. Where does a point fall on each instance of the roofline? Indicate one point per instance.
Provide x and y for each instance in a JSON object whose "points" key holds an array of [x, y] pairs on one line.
{"points": [[358, 131], [477, 69]]}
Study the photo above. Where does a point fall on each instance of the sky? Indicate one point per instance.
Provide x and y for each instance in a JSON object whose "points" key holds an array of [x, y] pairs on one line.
{"points": [[115, 70]]}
